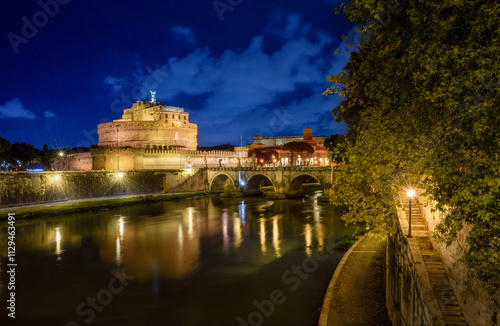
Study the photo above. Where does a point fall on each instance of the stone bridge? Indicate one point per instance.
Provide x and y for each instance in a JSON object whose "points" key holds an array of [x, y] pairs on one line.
{"points": [[285, 180]]}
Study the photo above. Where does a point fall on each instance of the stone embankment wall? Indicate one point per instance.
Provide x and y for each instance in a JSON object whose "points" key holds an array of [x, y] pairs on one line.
{"points": [[23, 188], [409, 295], [154, 159], [477, 305]]}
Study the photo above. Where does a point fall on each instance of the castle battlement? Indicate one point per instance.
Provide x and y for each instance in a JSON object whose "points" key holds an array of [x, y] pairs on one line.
{"points": [[150, 124], [145, 159]]}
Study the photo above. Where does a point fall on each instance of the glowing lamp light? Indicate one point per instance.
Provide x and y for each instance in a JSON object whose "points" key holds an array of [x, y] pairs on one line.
{"points": [[61, 154], [57, 177], [242, 183], [410, 193], [120, 175]]}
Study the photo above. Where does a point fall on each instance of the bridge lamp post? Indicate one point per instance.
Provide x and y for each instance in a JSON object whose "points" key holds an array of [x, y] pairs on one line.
{"points": [[410, 194]]}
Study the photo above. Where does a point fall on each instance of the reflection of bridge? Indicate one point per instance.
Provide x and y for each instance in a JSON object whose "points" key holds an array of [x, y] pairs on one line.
{"points": [[285, 180]]}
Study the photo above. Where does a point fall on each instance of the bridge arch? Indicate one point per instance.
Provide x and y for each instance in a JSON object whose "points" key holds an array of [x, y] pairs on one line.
{"points": [[218, 181], [255, 183], [295, 185]]}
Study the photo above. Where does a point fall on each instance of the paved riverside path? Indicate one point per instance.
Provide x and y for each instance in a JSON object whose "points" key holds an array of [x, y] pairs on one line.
{"points": [[441, 286], [357, 296], [73, 201]]}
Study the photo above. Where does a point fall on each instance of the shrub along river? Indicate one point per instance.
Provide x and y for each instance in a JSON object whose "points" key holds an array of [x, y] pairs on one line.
{"points": [[198, 261]]}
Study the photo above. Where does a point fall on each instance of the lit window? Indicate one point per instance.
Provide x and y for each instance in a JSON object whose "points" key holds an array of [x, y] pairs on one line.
{"points": [[176, 124]]}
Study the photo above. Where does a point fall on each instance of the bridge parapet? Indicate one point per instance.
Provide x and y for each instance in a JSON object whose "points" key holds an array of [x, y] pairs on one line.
{"points": [[278, 168]]}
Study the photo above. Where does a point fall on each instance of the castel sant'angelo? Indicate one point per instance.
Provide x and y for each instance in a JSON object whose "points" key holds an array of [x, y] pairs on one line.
{"points": [[150, 125], [151, 135]]}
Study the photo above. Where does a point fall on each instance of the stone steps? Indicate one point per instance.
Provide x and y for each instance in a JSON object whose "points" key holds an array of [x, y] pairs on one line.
{"points": [[441, 285]]}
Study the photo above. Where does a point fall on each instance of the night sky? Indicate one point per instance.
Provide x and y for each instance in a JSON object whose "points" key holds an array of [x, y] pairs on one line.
{"points": [[253, 67]]}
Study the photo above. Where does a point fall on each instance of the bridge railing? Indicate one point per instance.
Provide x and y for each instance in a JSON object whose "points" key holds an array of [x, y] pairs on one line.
{"points": [[278, 168]]}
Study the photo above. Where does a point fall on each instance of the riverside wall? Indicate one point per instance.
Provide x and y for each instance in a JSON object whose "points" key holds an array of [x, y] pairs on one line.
{"points": [[477, 305], [409, 294], [24, 188]]}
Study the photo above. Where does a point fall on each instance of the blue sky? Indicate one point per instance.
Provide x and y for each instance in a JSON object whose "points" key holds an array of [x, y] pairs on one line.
{"points": [[239, 67]]}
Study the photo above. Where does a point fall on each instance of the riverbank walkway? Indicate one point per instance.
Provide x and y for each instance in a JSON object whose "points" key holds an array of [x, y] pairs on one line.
{"points": [[356, 293], [65, 202], [91, 199]]}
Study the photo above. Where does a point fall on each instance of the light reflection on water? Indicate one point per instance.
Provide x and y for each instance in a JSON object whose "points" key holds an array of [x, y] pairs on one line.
{"points": [[179, 252]]}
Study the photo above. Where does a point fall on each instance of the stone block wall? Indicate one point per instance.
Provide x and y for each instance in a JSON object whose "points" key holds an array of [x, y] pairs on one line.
{"points": [[477, 305], [22, 188]]}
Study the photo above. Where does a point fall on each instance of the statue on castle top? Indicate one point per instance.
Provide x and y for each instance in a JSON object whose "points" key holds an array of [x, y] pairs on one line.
{"points": [[153, 96]]}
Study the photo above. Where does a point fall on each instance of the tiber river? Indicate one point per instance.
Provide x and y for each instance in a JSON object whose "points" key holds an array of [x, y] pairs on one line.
{"points": [[200, 261]]}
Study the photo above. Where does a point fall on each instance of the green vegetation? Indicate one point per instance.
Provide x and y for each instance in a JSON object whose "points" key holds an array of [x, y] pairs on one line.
{"points": [[336, 147], [350, 239], [420, 98], [229, 188], [88, 206]]}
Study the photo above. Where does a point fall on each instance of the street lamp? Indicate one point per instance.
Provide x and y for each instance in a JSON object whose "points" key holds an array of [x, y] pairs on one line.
{"points": [[410, 194], [61, 154]]}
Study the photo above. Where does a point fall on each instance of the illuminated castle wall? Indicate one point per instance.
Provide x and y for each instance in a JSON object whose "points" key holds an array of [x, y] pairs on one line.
{"points": [[150, 125]]}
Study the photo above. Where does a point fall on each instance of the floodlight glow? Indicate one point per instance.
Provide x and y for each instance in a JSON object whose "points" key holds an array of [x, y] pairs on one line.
{"points": [[57, 177], [120, 175], [410, 193]]}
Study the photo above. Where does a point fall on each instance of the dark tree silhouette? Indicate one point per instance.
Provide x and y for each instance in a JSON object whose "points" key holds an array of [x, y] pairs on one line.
{"points": [[298, 147]]}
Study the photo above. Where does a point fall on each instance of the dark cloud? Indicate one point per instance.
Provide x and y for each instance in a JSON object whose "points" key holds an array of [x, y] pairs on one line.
{"points": [[184, 33], [14, 109]]}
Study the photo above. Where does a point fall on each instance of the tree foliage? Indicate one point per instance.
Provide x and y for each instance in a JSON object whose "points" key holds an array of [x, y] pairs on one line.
{"points": [[336, 147], [420, 98], [264, 156], [5, 147], [45, 157], [24, 153], [298, 147]]}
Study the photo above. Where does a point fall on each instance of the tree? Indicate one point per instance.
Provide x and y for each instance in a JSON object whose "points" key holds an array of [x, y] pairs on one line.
{"points": [[264, 155], [298, 147], [336, 147], [22, 153], [5, 147], [420, 98], [46, 157]]}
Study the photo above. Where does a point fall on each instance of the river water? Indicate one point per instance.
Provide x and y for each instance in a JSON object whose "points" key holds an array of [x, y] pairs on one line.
{"points": [[198, 261]]}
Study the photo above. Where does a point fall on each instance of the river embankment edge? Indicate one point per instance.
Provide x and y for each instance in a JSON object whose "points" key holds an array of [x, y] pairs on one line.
{"points": [[47, 210]]}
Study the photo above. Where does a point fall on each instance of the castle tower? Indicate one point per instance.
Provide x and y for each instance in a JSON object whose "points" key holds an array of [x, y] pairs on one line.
{"points": [[150, 124]]}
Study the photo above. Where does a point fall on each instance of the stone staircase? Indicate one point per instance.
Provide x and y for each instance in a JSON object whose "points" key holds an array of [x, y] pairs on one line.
{"points": [[178, 186], [441, 285]]}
